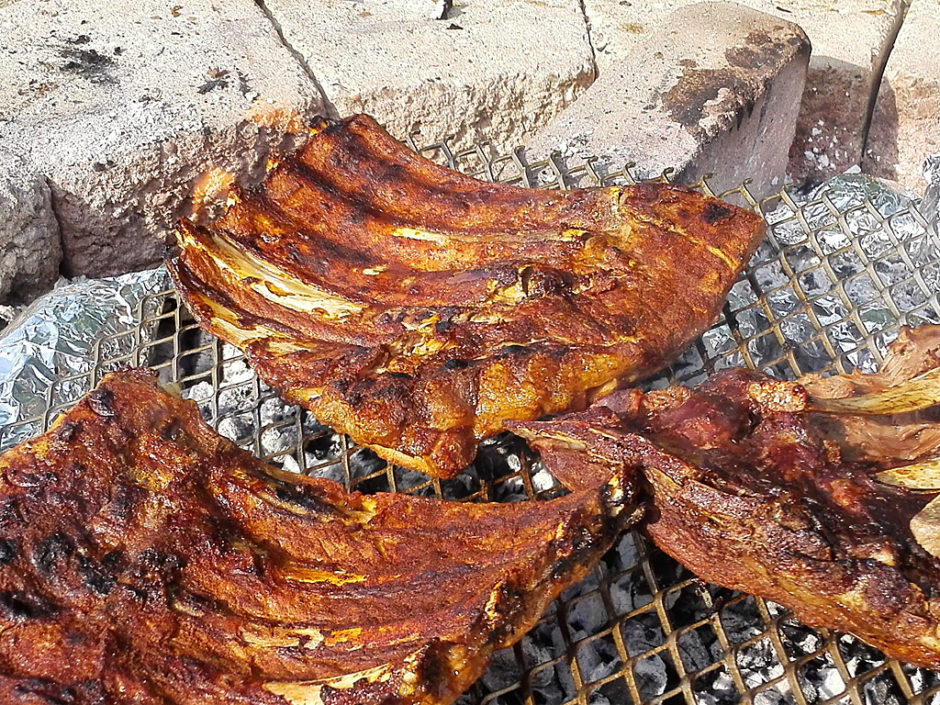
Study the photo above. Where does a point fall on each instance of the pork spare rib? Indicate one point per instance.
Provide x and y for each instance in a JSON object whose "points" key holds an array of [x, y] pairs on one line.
{"points": [[145, 559], [416, 309], [820, 494]]}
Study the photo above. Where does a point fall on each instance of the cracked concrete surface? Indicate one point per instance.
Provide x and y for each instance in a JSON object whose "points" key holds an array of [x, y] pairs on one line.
{"points": [[121, 108], [489, 71], [851, 41], [29, 233], [905, 125], [714, 88]]}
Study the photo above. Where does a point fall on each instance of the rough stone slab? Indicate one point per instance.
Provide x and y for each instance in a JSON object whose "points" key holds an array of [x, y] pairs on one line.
{"points": [[30, 254], [493, 71], [850, 38], [714, 89], [123, 105], [905, 127]]}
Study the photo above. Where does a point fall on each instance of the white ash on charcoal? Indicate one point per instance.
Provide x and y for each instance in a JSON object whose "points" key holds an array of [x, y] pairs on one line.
{"points": [[251, 414], [699, 649], [598, 659], [758, 663], [741, 620], [465, 484], [590, 584], [613, 692], [921, 679], [859, 658], [642, 633], [544, 642], [542, 479], [716, 688], [367, 471], [883, 689], [652, 676], [586, 616], [628, 552], [503, 671], [554, 685], [323, 450], [820, 679], [550, 684], [798, 639], [629, 592], [777, 694], [233, 370], [230, 401]]}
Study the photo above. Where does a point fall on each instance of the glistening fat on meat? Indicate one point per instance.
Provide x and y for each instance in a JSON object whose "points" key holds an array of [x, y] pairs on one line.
{"points": [[146, 559], [819, 494], [416, 309]]}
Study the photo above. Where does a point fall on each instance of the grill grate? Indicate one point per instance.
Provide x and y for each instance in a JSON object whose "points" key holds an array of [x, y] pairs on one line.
{"points": [[825, 292]]}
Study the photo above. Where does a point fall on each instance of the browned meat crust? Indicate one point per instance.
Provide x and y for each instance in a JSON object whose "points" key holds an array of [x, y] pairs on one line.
{"points": [[781, 504], [144, 559], [416, 309]]}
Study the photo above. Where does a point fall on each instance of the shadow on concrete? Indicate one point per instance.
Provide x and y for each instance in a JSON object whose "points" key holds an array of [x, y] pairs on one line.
{"points": [[880, 157]]}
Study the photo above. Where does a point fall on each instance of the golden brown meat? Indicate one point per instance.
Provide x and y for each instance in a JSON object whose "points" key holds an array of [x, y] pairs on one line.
{"points": [[753, 491], [145, 559], [416, 309]]}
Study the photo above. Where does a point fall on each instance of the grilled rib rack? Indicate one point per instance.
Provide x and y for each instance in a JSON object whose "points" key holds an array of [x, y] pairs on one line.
{"points": [[836, 277]]}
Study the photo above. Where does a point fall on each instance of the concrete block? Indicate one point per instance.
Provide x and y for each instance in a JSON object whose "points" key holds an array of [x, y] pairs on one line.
{"points": [[905, 127], [851, 40], [124, 105], [713, 88], [30, 254], [494, 71]]}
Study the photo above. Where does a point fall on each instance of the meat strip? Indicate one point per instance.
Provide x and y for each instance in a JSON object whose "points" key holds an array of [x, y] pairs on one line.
{"points": [[416, 309], [752, 487], [145, 559]]}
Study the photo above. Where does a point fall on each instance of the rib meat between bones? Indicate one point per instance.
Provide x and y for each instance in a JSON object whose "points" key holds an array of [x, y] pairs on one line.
{"points": [[145, 559], [754, 488], [416, 309]]}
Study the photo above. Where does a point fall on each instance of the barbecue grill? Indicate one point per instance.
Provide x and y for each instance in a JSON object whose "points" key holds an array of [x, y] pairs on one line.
{"points": [[827, 290]]}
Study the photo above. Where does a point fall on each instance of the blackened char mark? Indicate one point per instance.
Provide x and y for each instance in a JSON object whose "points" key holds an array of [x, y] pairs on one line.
{"points": [[304, 497], [8, 551], [94, 576], [67, 431], [715, 211], [51, 551], [19, 605], [50, 692], [101, 402]]}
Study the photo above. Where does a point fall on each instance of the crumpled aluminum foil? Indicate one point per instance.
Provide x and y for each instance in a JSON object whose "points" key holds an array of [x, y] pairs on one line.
{"points": [[54, 339], [853, 188]]}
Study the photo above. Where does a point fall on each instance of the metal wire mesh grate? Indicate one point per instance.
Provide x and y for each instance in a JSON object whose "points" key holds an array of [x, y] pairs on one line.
{"points": [[827, 290]]}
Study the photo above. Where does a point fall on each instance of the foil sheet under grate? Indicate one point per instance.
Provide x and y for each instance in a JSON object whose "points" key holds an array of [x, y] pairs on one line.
{"points": [[826, 291]]}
